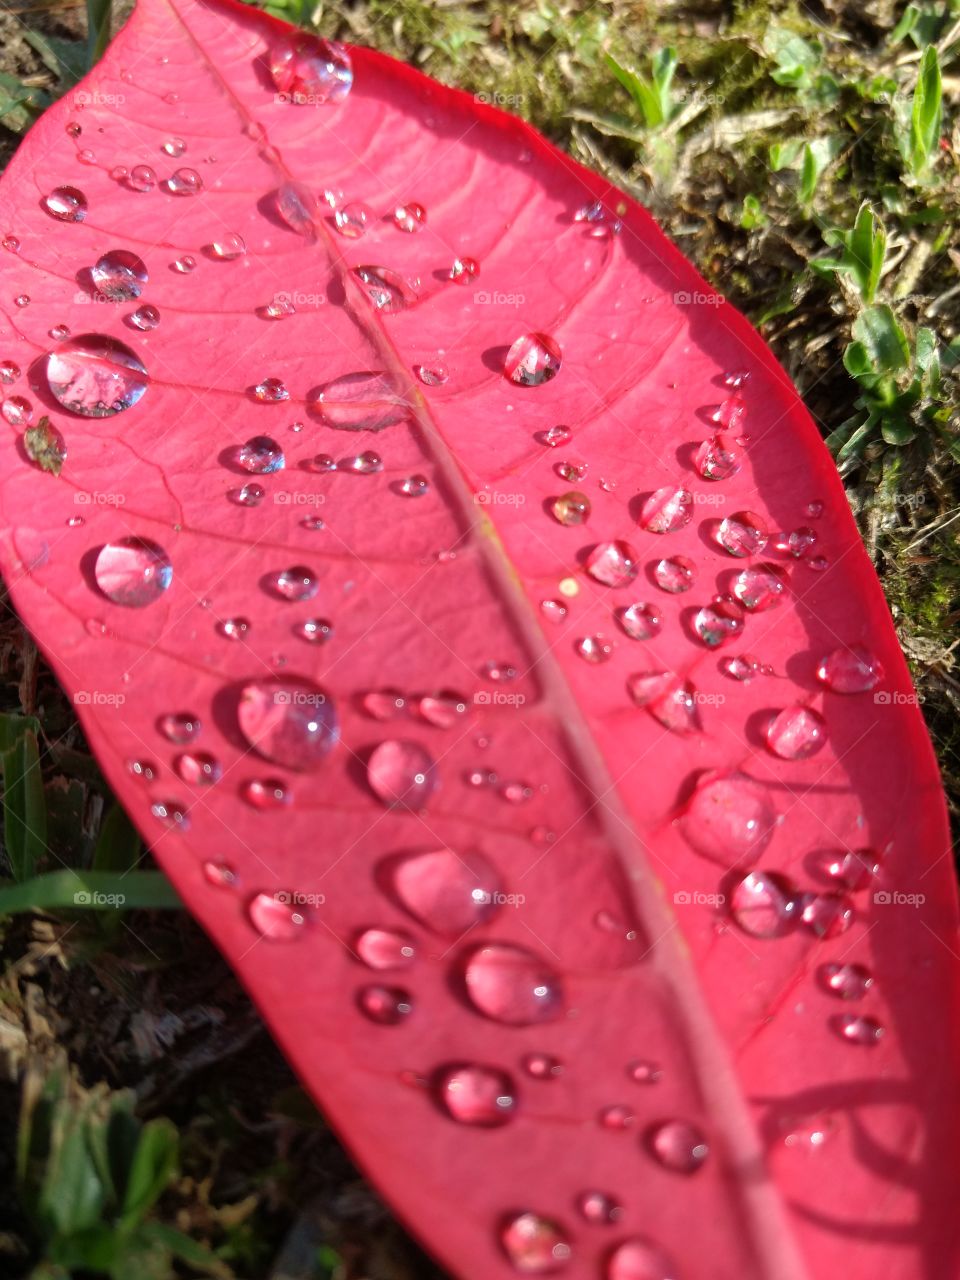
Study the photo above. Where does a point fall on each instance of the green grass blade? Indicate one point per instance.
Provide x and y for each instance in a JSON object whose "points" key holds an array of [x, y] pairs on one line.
{"points": [[72, 890]]}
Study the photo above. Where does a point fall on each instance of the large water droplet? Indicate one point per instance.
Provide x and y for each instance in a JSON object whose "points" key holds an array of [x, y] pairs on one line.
{"points": [[95, 376], [852, 669], [533, 360], [796, 733], [535, 1245], [640, 621], [360, 402], [296, 583], [765, 904], [66, 204], [385, 948], [291, 722], [402, 774], [760, 586], [718, 622], [133, 572], [310, 71], [612, 563], [446, 891], [719, 458], [184, 182], [512, 985], [119, 275], [261, 455], [742, 534], [729, 819], [276, 917], [476, 1095], [667, 509], [571, 508], [678, 1146], [388, 290], [675, 574], [352, 219]]}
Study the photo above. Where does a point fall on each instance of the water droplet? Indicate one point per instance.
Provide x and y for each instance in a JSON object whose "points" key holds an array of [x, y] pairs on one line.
{"points": [[402, 774], [59, 332], [643, 1072], [555, 436], [119, 172], [251, 495], [476, 1095], [447, 892], [119, 275], [229, 246], [384, 704], [352, 219], [796, 733], [818, 563], [142, 770], [234, 628], [278, 309], [66, 204], [145, 317], [675, 574], [22, 300], [612, 563], [599, 1208], [199, 767], [571, 508], [261, 455], [553, 610], [443, 709], [275, 916], [174, 147], [310, 71], [171, 813], [640, 621], [718, 622], [184, 182], [510, 984], [360, 402], [742, 534], [542, 1066], [809, 1133], [386, 1005], [95, 376], [17, 410], [814, 509], [133, 572], [270, 391], [180, 727], [760, 586], [743, 667], [73, 129], [535, 1245], [141, 178], [314, 630], [385, 948], [797, 542], [9, 372], [464, 270], [616, 1117], [852, 669], [290, 722], [388, 290], [854, 869], [532, 360], [645, 686], [434, 374], [266, 793], [858, 1029], [296, 583], [675, 707], [827, 914], [414, 486], [678, 1146], [594, 649], [571, 471], [638, 1259], [11, 244], [729, 819], [847, 981], [219, 874], [719, 458], [362, 464], [409, 217], [666, 510], [765, 904]]}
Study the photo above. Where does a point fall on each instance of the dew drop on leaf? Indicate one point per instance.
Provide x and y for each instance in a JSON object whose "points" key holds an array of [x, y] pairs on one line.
{"points": [[180, 727], [266, 793], [261, 455], [310, 71], [510, 984], [119, 275], [145, 318], [409, 217], [535, 1245], [614, 564], [352, 219], [141, 178], [133, 572], [401, 774], [678, 1146], [476, 1095], [729, 818], [765, 904], [533, 360], [845, 981], [666, 510], [276, 917], [385, 948], [742, 534], [796, 733], [199, 767], [290, 722], [95, 376], [850, 669], [386, 1005], [571, 508], [66, 204]]}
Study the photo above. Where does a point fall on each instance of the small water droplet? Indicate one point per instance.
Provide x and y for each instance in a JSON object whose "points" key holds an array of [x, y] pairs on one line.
{"points": [[59, 332], [234, 628], [409, 217], [718, 622], [641, 1071], [11, 244], [266, 793], [743, 667], [314, 630], [133, 572], [414, 486], [464, 270], [9, 372], [180, 727], [742, 534], [310, 71], [765, 904], [401, 774], [571, 471], [534, 1245], [171, 813], [220, 874], [261, 455], [796, 733], [851, 669], [296, 583], [542, 1066], [95, 376], [594, 649], [388, 290], [667, 509], [385, 948], [434, 374], [859, 1029], [760, 587], [571, 508], [617, 1117], [675, 574], [141, 178], [814, 509], [447, 892], [827, 914], [229, 246], [719, 458], [145, 317], [270, 391], [184, 182], [367, 463], [184, 264], [639, 1259], [853, 869], [386, 1005], [174, 147], [798, 542], [510, 984], [66, 204], [533, 359], [250, 495], [199, 767], [443, 709], [17, 410], [119, 275], [553, 437], [276, 917], [612, 563], [640, 621], [599, 1208], [847, 981], [22, 300], [678, 1146], [352, 219], [553, 610], [476, 1095], [290, 722], [142, 770]]}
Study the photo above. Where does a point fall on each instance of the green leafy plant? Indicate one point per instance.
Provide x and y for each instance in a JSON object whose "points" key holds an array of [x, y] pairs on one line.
{"points": [[862, 253], [900, 389], [918, 122], [652, 93], [89, 1177]]}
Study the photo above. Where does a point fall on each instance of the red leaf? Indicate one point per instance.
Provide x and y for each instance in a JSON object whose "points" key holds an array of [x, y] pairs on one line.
{"points": [[605, 845]]}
